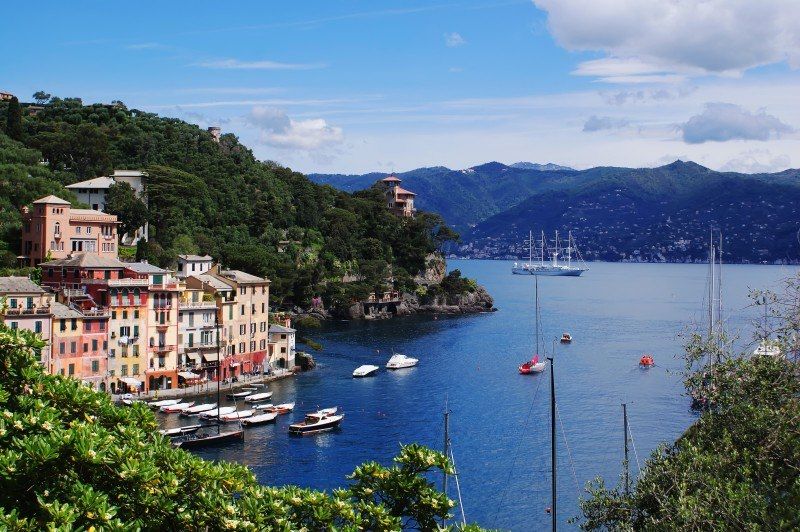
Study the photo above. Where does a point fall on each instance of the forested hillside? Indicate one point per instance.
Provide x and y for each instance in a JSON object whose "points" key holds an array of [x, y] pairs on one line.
{"points": [[209, 197]]}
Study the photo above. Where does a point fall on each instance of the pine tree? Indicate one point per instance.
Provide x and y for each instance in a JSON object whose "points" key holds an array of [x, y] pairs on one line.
{"points": [[14, 119]]}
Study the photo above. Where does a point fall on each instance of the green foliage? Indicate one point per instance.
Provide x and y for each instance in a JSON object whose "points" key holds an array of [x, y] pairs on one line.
{"points": [[71, 460], [130, 210], [14, 119], [41, 97]]}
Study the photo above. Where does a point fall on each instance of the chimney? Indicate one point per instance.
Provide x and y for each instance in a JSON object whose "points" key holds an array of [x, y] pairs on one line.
{"points": [[215, 133]]}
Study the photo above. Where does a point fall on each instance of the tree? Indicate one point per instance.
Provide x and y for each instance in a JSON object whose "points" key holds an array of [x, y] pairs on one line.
{"points": [[70, 459], [41, 97], [130, 210], [14, 119]]}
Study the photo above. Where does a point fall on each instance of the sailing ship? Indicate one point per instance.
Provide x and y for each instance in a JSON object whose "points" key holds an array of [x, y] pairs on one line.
{"points": [[534, 365], [550, 267]]}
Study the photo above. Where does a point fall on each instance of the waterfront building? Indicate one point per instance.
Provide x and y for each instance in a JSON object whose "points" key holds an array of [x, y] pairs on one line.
{"points": [[197, 335], [282, 346], [193, 265], [25, 305], [399, 200], [80, 344], [52, 229], [225, 299]]}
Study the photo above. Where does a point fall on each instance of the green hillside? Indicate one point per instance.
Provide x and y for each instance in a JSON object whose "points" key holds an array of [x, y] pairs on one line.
{"points": [[216, 198]]}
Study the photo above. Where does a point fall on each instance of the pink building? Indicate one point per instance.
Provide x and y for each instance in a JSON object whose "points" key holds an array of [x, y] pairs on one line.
{"points": [[52, 226], [27, 306], [80, 344], [399, 200]]}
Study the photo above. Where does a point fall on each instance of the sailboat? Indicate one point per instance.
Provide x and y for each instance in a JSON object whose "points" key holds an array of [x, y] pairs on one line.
{"points": [[551, 267], [448, 452], [534, 365]]}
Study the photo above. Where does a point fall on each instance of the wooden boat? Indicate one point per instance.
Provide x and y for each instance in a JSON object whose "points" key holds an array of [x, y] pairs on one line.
{"points": [[177, 431], [261, 419], [163, 402], [212, 414], [283, 408], [201, 440], [239, 395], [196, 410], [236, 416], [256, 397], [647, 361], [566, 338], [319, 421], [175, 409]]}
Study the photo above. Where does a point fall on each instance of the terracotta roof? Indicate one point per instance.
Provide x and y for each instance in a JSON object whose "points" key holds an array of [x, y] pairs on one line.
{"points": [[97, 182], [19, 285], [391, 179], [400, 190], [50, 200], [86, 260]]}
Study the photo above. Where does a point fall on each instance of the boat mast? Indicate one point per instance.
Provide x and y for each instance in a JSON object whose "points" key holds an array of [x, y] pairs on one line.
{"points": [[555, 255], [553, 440], [719, 287], [446, 451], [569, 249], [536, 284], [627, 468], [542, 248], [711, 262], [530, 247], [219, 363]]}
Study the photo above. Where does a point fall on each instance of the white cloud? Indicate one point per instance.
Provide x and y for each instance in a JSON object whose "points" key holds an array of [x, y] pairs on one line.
{"points": [[757, 161], [454, 39], [599, 123], [645, 39], [623, 97], [236, 64], [281, 131], [726, 121]]}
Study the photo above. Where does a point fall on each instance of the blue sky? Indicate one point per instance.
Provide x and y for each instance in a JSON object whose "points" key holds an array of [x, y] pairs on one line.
{"points": [[360, 86]]}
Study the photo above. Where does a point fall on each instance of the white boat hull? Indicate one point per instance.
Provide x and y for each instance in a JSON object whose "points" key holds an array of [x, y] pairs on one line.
{"points": [[548, 271], [365, 371]]}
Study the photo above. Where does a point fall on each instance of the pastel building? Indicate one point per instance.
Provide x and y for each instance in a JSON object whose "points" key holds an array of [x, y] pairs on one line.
{"points": [[80, 345], [53, 227], [25, 305], [193, 265], [282, 346], [197, 335], [224, 296], [399, 200]]}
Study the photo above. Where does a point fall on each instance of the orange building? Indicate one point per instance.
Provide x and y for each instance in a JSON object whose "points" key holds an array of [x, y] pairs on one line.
{"points": [[80, 344], [399, 200], [52, 226]]}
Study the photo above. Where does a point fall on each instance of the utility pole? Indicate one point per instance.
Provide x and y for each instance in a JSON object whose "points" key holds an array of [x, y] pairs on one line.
{"points": [[627, 468], [553, 440]]}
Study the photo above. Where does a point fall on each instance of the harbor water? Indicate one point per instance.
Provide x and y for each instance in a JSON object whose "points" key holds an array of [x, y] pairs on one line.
{"points": [[500, 420]]}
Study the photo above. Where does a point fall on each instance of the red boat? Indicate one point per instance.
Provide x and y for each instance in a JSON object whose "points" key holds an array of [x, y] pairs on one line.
{"points": [[532, 366], [647, 361]]}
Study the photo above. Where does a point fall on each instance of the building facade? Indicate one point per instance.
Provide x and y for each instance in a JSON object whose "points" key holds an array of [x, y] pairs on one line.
{"points": [[80, 345], [25, 305], [398, 200], [282, 349], [197, 335]]}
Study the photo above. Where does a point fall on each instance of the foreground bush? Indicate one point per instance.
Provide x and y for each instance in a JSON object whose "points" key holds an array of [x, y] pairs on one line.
{"points": [[70, 459]]}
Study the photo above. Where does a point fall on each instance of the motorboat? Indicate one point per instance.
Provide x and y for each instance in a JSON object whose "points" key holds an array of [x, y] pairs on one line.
{"points": [[212, 414], [256, 397], [321, 420], [283, 408], [399, 361], [767, 348], [647, 361], [177, 431], [195, 440], [163, 402], [239, 395], [196, 410], [365, 371], [235, 416], [175, 409], [566, 338], [260, 419], [534, 365]]}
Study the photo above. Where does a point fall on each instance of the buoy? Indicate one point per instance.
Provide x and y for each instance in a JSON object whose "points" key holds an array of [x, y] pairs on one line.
{"points": [[548, 510]]}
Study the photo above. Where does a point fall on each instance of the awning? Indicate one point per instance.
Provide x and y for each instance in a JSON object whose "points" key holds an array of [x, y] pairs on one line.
{"points": [[211, 357], [130, 381], [194, 357], [188, 375]]}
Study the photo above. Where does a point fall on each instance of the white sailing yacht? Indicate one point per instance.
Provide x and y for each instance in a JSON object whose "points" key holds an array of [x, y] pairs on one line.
{"points": [[551, 267]]}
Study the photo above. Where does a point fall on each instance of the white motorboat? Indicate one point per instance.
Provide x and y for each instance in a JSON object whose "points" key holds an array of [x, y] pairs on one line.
{"points": [[325, 419], [198, 409], [177, 408], [767, 348], [177, 431], [163, 402], [264, 406], [256, 397], [239, 395], [365, 371], [235, 416], [260, 419], [283, 408], [212, 414], [399, 361]]}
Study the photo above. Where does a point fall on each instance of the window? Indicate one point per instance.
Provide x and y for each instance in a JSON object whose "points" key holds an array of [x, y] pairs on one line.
{"points": [[85, 347], [95, 366], [125, 312], [14, 325], [252, 329], [136, 350], [262, 345], [242, 290], [241, 347], [263, 307], [102, 326], [38, 326], [136, 331], [73, 347], [135, 370], [230, 312], [191, 339], [89, 230], [136, 314], [57, 228], [253, 308], [125, 331], [191, 319], [12, 303], [74, 324], [242, 328], [62, 348], [62, 324], [242, 310], [123, 370], [113, 314], [283, 349], [94, 345], [72, 369], [253, 345], [105, 345], [78, 230]]}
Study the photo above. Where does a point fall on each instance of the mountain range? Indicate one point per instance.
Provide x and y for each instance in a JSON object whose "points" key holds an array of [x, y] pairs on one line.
{"points": [[661, 214]]}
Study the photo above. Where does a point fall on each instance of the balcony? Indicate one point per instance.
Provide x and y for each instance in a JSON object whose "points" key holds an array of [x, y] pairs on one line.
{"points": [[24, 311], [162, 348], [127, 282], [197, 304], [57, 234], [162, 306]]}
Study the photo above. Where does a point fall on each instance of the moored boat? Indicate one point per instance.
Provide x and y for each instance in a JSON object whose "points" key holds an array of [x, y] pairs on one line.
{"points": [[212, 414], [212, 438], [400, 361], [196, 410], [566, 338], [239, 395], [534, 365], [647, 361], [283, 408], [321, 420], [177, 431], [256, 397], [177, 408], [163, 402], [236, 416], [260, 419], [365, 371]]}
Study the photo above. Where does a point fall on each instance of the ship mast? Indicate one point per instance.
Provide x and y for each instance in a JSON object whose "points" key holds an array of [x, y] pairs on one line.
{"points": [[530, 247], [569, 250], [542, 257], [555, 255]]}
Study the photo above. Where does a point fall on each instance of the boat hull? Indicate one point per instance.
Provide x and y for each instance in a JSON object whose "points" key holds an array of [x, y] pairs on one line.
{"points": [[302, 429], [553, 272], [194, 442]]}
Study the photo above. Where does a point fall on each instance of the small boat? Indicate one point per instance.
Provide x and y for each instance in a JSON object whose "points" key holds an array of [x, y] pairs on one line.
{"points": [[235, 416], [198, 409], [177, 431], [263, 406], [284, 408], [163, 402], [211, 414], [647, 361], [365, 371], [566, 338], [399, 361], [261, 419], [534, 365], [256, 397], [129, 402], [175, 409], [239, 395], [767, 348], [318, 421], [212, 438]]}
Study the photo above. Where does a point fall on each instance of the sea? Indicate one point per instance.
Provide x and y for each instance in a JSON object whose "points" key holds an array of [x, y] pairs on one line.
{"points": [[500, 420]]}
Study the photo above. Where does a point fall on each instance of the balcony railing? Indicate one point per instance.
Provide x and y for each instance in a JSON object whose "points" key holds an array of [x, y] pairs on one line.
{"points": [[198, 304], [160, 348], [117, 282], [24, 311]]}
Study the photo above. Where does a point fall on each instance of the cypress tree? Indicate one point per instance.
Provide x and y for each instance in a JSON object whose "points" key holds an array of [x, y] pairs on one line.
{"points": [[14, 119]]}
